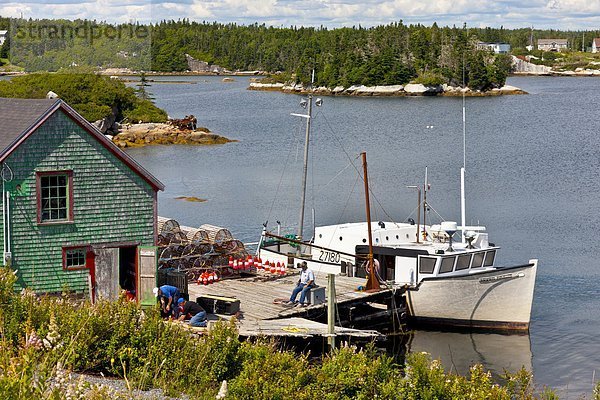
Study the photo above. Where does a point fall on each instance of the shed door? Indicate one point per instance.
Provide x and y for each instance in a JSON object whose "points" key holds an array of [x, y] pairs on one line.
{"points": [[107, 273], [147, 275]]}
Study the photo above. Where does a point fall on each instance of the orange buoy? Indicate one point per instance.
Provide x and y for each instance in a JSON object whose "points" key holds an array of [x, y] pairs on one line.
{"points": [[209, 278], [282, 270], [215, 277], [205, 278], [258, 263], [231, 261], [235, 264]]}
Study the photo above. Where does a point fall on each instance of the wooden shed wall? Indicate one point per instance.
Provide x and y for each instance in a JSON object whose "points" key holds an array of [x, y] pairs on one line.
{"points": [[111, 203]]}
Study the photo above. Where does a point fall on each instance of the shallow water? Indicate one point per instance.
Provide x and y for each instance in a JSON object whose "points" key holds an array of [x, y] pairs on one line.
{"points": [[533, 170]]}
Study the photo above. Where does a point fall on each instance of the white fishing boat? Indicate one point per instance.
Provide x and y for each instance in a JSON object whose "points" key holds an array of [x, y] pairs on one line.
{"points": [[452, 283]]}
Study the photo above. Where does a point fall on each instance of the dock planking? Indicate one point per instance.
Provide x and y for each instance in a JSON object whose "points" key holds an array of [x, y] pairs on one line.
{"points": [[262, 314]]}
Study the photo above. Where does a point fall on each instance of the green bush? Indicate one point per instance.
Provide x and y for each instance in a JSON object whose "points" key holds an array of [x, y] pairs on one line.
{"points": [[145, 111], [430, 79], [93, 96], [43, 339]]}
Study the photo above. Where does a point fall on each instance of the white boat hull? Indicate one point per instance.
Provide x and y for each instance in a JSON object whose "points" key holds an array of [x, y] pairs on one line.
{"points": [[500, 298]]}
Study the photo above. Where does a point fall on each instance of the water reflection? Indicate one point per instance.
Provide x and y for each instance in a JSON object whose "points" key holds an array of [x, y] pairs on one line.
{"points": [[458, 351]]}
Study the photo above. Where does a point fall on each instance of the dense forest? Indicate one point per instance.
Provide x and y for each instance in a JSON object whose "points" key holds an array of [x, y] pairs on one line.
{"points": [[390, 54]]}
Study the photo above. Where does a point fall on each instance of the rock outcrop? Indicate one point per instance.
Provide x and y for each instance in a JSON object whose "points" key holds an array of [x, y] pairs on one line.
{"points": [[411, 89], [108, 125], [521, 66], [200, 66], [148, 134]]}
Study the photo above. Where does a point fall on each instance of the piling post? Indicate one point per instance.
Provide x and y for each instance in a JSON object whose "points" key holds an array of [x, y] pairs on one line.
{"points": [[331, 301]]}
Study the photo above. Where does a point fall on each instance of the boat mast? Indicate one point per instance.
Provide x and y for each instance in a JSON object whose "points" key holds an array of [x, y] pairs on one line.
{"points": [[463, 216], [425, 188], [372, 282], [308, 117]]}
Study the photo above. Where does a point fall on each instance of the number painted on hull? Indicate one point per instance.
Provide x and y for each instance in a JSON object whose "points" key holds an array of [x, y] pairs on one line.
{"points": [[329, 256]]}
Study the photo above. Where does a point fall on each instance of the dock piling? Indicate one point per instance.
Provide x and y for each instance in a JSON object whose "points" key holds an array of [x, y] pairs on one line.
{"points": [[331, 311]]}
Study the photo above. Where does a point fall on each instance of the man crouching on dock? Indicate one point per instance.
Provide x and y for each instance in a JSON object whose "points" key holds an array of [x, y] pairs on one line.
{"points": [[305, 283]]}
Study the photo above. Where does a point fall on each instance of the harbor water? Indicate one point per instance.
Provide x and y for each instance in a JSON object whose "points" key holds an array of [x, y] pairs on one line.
{"points": [[532, 178]]}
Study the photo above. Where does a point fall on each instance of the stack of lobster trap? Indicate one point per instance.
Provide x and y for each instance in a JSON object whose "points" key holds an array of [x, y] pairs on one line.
{"points": [[199, 252]]}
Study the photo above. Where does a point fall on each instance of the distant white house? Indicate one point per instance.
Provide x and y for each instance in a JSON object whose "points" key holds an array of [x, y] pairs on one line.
{"points": [[498, 48], [3, 37], [552, 44], [596, 45]]}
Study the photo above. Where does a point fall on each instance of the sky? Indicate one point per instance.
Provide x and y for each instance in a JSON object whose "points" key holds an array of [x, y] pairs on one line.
{"points": [[558, 14]]}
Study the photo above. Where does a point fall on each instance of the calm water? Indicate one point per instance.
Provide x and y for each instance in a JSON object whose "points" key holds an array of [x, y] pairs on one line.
{"points": [[533, 166]]}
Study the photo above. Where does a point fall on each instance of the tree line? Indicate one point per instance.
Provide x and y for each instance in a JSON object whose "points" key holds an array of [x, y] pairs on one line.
{"points": [[387, 54]]}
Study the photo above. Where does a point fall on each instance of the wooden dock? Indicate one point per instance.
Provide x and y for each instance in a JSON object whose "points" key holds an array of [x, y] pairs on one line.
{"points": [[263, 314]]}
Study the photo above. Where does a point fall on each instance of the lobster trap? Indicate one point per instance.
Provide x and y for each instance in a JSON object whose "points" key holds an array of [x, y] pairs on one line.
{"points": [[195, 251]]}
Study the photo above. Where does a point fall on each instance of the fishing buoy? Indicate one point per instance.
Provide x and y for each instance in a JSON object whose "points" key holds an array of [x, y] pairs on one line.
{"points": [[283, 269], [274, 267], [209, 278], [230, 261], [250, 261], [215, 277], [235, 264], [258, 263], [205, 279]]}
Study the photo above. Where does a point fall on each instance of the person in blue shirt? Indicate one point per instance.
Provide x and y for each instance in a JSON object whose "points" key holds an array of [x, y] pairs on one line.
{"points": [[305, 283], [168, 296]]}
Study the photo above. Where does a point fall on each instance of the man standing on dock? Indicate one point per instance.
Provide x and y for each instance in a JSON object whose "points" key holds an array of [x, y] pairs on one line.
{"points": [[305, 283]]}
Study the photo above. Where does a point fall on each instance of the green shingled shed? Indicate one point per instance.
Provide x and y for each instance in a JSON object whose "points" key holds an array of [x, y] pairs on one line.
{"points": [[78, 213]]}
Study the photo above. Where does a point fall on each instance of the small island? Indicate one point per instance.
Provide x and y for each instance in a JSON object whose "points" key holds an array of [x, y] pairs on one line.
{"points": [[126, 115], [136, 135], [411, 89]]}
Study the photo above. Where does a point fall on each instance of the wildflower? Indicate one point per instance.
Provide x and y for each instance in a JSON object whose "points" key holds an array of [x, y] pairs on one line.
{"points": [[222, 391]]}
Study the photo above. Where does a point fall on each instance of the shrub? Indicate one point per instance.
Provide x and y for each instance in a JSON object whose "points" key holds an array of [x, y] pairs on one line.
{"points": [[145, 111], [93, 96], [430, 79], [42, 339]]}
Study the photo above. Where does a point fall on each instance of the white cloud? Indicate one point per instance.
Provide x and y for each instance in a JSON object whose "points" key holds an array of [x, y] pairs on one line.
{"points": [[560, 14]]}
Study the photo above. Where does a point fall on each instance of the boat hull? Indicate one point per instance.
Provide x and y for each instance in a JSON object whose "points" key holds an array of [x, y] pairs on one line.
{"points": [[500, 298]]}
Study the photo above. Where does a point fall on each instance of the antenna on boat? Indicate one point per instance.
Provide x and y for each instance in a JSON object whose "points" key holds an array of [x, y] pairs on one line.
{"points": [[463, 216], [425, 189], [418, 208], [372, 281]]}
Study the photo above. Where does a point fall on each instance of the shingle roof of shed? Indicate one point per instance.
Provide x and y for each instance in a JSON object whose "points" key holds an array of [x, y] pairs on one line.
{"points": [[18, 115], [21, 117]]}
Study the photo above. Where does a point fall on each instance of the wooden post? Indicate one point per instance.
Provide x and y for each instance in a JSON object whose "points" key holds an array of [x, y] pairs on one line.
{"points": [[331, 311]]}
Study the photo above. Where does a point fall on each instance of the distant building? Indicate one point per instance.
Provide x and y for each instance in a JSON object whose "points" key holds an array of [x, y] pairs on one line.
{"points": [[498, 48], [79, 212], [552, 44], [596, 45], [3, 37]]}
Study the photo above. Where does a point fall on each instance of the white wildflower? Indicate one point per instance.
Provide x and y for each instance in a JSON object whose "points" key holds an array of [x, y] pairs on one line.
{"points": [[222, 391]]}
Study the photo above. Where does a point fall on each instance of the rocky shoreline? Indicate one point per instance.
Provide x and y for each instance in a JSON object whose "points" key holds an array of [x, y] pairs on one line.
{"points": [[136, 135], [411, 89]]}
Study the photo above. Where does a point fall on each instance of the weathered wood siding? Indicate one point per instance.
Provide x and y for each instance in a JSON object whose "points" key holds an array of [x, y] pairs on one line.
{"points": [[111, 204]]}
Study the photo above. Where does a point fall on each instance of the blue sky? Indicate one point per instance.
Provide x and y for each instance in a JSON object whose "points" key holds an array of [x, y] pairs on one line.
{"points": [[560, 14]]}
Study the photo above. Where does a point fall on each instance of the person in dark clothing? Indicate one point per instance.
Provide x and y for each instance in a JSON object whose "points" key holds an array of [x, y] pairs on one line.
{"points": [[192, 311]]}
